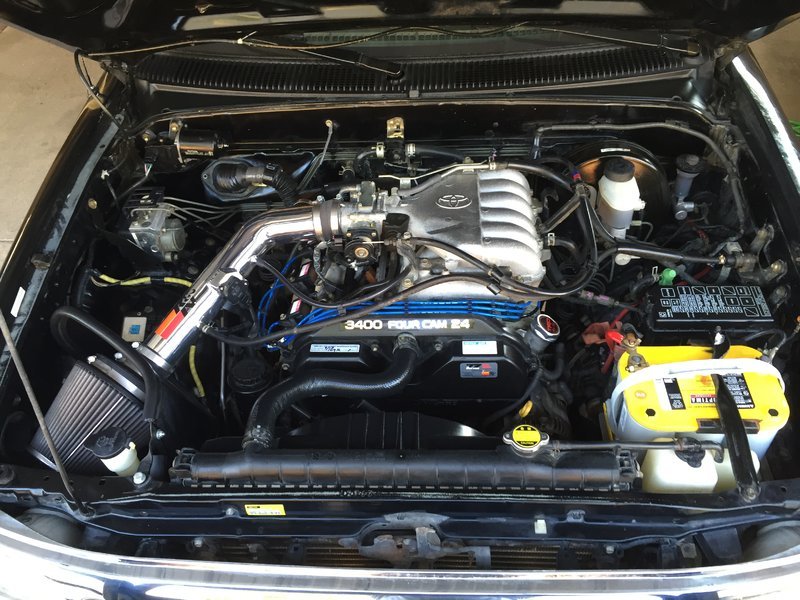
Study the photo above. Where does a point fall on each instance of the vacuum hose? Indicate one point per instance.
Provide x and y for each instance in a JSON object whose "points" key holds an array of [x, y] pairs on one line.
{"points": [[260, 431]]}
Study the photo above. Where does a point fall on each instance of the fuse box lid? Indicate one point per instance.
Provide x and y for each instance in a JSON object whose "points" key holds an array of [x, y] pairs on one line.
{"points": [[690, 308]]}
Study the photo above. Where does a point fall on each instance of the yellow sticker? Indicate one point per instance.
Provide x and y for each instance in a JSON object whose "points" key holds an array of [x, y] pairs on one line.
{"points": [[264, 510], [526, 436]]}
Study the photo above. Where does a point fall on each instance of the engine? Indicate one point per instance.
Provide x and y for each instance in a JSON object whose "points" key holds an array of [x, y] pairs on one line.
{"points": [[487, 213], [528, 307]]}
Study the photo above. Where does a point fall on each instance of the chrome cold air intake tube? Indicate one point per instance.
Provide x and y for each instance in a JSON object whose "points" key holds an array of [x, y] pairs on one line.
{"points": [[180, 328]]}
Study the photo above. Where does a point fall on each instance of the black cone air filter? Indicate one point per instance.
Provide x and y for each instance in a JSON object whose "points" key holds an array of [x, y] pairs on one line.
{"points": [[93, 397]]}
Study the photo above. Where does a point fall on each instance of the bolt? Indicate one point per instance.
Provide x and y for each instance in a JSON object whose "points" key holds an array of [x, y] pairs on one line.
{"points": [[92, 203], [91, 359], [749, 493], [407, 283], [285, 366], [375, 347], [610, 549], [231, 512], [438, 346], [361, 253], [139, 478], [160, 434], [118, 356], [197, 542], [135, 345]]}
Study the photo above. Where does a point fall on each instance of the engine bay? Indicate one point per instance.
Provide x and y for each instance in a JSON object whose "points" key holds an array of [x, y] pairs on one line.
{"points": [[450, 305]]}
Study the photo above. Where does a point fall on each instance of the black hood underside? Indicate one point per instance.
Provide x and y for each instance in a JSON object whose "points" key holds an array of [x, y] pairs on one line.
{"points": [[99, 26]]}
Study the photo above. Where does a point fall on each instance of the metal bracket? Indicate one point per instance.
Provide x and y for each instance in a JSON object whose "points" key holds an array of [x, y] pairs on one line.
{"points": [[395, 128]]}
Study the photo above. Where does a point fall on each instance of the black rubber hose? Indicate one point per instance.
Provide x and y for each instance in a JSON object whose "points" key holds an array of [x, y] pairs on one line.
{"points": [[234, 178], [438, 152], [539, 171], [780, 333], [570, 246], [284, 185], [260, 431], [663, 254], [541, 375], [58, 325], [361, 163]]}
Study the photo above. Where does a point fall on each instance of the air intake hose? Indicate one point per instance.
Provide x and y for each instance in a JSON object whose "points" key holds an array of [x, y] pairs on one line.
{"points": [[231, 177], [260, 431]]}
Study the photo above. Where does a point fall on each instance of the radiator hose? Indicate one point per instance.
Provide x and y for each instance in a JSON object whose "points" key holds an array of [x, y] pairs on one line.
{"points": [[260, 431]]}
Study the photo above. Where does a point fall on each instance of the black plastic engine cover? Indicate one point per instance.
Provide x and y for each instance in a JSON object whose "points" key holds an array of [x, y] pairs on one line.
{"points": [[463, 357]]}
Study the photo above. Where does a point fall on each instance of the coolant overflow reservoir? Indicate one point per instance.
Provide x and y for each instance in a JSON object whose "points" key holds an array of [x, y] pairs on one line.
{"points": [[618, 196]]}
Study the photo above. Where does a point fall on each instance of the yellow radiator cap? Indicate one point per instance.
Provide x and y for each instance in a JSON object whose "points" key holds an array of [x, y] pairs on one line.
{"points": [[526, 436]]}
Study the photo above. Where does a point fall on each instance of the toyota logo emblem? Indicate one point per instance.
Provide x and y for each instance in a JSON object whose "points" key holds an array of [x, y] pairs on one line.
{"points": [[453, 201]]}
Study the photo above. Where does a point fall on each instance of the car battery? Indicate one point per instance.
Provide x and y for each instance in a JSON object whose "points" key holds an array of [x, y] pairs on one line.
{"points": [[674, 395]]}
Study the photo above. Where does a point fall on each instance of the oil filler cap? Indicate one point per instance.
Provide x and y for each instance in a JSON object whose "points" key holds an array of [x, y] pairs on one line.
{"points": [[526, 440]]}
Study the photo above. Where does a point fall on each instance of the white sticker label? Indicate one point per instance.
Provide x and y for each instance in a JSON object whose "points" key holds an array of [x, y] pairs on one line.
{"points": [[474, 347], [18, 302], [336, 348]]}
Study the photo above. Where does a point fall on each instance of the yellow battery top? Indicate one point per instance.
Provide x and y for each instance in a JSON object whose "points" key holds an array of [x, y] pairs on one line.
{"points": [[684, 401]]}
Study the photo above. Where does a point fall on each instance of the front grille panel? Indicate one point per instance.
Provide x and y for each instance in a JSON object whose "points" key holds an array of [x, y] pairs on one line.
{"points": [[330, 554], [281, 76]]}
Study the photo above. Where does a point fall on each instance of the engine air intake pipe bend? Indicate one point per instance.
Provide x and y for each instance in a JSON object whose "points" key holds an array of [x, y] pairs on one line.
{"points": [[260, 431], [232, 178], [223, 277]]}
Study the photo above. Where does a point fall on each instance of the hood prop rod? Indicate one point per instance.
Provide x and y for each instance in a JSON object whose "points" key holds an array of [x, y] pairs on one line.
{"points": [[744, 471], [37, 410]]}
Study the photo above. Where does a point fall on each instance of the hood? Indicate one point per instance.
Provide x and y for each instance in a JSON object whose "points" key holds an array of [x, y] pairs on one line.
{"points": [[99, 26]]}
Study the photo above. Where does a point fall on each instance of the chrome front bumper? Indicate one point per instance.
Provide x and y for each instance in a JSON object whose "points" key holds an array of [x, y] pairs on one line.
{"points": [[36, 568]]}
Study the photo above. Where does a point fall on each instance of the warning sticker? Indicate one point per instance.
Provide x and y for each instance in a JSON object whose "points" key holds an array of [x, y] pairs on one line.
{"points": [[526, 436], [336, 348], [739, 390], [674, 396], [264, 510], [700, 391]]}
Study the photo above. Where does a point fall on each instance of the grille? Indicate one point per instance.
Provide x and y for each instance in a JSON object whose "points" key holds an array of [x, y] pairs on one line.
{"points": [[330, 554], [281, 76]]}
